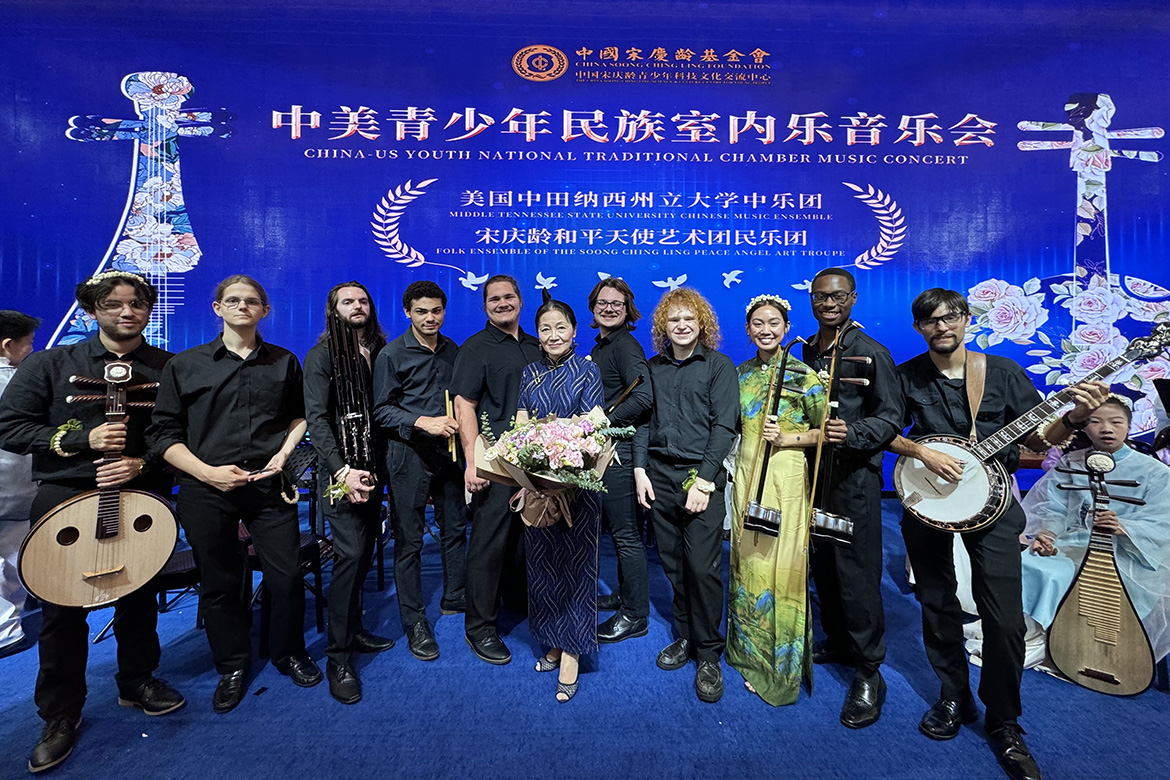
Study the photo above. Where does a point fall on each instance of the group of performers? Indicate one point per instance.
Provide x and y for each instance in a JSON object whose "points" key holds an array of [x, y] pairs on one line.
{"points": [[388, 416]]}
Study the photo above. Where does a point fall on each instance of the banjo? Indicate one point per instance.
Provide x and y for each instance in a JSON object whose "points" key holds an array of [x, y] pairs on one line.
{"points": [[95, 548], [983, 492]]}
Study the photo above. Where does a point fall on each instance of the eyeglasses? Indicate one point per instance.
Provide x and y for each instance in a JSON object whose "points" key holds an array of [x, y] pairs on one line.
{"points": [[112, 305], [615, 305], [950, 320], [837, 296], [235, 303]]}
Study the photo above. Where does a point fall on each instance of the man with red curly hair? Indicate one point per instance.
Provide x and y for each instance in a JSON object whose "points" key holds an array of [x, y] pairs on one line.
{"points": [[679, 476]]}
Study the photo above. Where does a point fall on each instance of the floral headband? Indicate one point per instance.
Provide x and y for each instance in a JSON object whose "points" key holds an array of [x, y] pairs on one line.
{"points": [[98, 278], [776, 299]]}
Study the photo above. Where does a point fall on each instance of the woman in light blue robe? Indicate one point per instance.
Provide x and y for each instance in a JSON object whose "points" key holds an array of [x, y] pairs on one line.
{"points": [[1142, 548]]}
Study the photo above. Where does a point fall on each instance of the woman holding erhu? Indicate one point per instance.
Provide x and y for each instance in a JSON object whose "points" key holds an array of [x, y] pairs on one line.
{"points": [[769, 635]]}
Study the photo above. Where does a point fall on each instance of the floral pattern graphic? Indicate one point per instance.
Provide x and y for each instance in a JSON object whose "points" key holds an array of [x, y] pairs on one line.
{"points": [[155, 237], [1101, 319]]}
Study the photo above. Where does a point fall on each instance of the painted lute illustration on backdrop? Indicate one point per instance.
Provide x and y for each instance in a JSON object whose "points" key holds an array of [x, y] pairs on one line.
{"points": [[154, 237]]}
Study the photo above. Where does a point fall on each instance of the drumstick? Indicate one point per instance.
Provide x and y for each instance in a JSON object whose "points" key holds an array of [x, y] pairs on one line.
{"points": [[450, 413]]}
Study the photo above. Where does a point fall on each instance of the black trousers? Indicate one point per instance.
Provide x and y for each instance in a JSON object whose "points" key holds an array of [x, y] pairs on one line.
{"points": [[211, 519], [995, 584], [619, 510], [495, 560], [64, 639], [848, 577], [691, 549], [416, 473], [354, 529]]}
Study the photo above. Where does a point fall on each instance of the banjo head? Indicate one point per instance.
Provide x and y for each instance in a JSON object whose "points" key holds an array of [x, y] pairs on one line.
{"points": [[974, 502]]}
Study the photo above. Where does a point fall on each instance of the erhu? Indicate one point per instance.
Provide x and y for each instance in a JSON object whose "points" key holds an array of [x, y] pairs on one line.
{"points": [[827, 525], [353, 386], [757, 516]]}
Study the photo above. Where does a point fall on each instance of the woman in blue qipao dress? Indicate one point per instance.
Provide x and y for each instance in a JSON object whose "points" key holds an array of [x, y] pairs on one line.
{"points": [[562, 559]]}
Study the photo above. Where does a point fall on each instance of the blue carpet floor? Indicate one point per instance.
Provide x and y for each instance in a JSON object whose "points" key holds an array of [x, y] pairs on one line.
{"points": [[460, 718]]}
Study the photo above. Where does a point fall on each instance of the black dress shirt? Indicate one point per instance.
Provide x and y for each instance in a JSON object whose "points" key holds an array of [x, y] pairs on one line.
{"points": [[696, 410], [874, 412], [487, 371], [621, 360], [228, 410], [34, 405], [936, 404], [321, 407], [409, 380]]}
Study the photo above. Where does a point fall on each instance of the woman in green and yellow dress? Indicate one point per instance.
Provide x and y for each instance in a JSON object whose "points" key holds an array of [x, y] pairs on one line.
{"points": [[769, 634]]}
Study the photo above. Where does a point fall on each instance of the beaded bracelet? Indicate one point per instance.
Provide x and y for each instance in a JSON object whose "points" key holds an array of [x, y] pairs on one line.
{"points": [[63, 429], [1042, 429]]}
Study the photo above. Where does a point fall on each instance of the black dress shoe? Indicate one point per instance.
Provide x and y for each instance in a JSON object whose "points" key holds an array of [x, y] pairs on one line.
{"points": [[1013, 754], [365, 642], [824, 653], [622, 626], [674, 656], [344, 684], [709, 681], [229, 691], [422, 642], [490, 648], [942, 721], [301, 669], [863, 704], [609, 602], [154, 697], [454, 607], [57, 741]]}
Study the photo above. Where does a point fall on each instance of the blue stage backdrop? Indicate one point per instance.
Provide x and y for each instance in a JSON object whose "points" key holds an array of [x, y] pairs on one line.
{"points": [[734, 147]]}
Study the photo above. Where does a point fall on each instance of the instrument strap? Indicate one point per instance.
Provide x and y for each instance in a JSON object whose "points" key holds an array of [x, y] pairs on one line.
{"points": [[975, 374]]}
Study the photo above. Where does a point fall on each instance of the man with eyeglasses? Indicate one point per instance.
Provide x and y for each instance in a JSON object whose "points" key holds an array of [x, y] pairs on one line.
{"points": [[622, 361], [867, 418], [67, 443], [934, 385], [229, 414]]}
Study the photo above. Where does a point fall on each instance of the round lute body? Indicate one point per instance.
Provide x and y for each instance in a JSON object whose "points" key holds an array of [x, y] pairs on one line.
{"points": [[1097, 639], [95, 548], [64, 562], [974, 502]]}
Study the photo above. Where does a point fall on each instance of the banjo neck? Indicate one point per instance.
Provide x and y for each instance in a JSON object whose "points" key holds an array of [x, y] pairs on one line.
{"points": [[1022, 426]]}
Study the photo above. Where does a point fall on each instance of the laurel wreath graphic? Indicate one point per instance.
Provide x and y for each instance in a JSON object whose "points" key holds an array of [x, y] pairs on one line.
{"points": [[892, 230], [385, 224]]}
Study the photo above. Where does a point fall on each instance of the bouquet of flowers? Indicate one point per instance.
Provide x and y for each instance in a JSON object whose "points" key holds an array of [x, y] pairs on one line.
{"points": [[546, 457]]}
